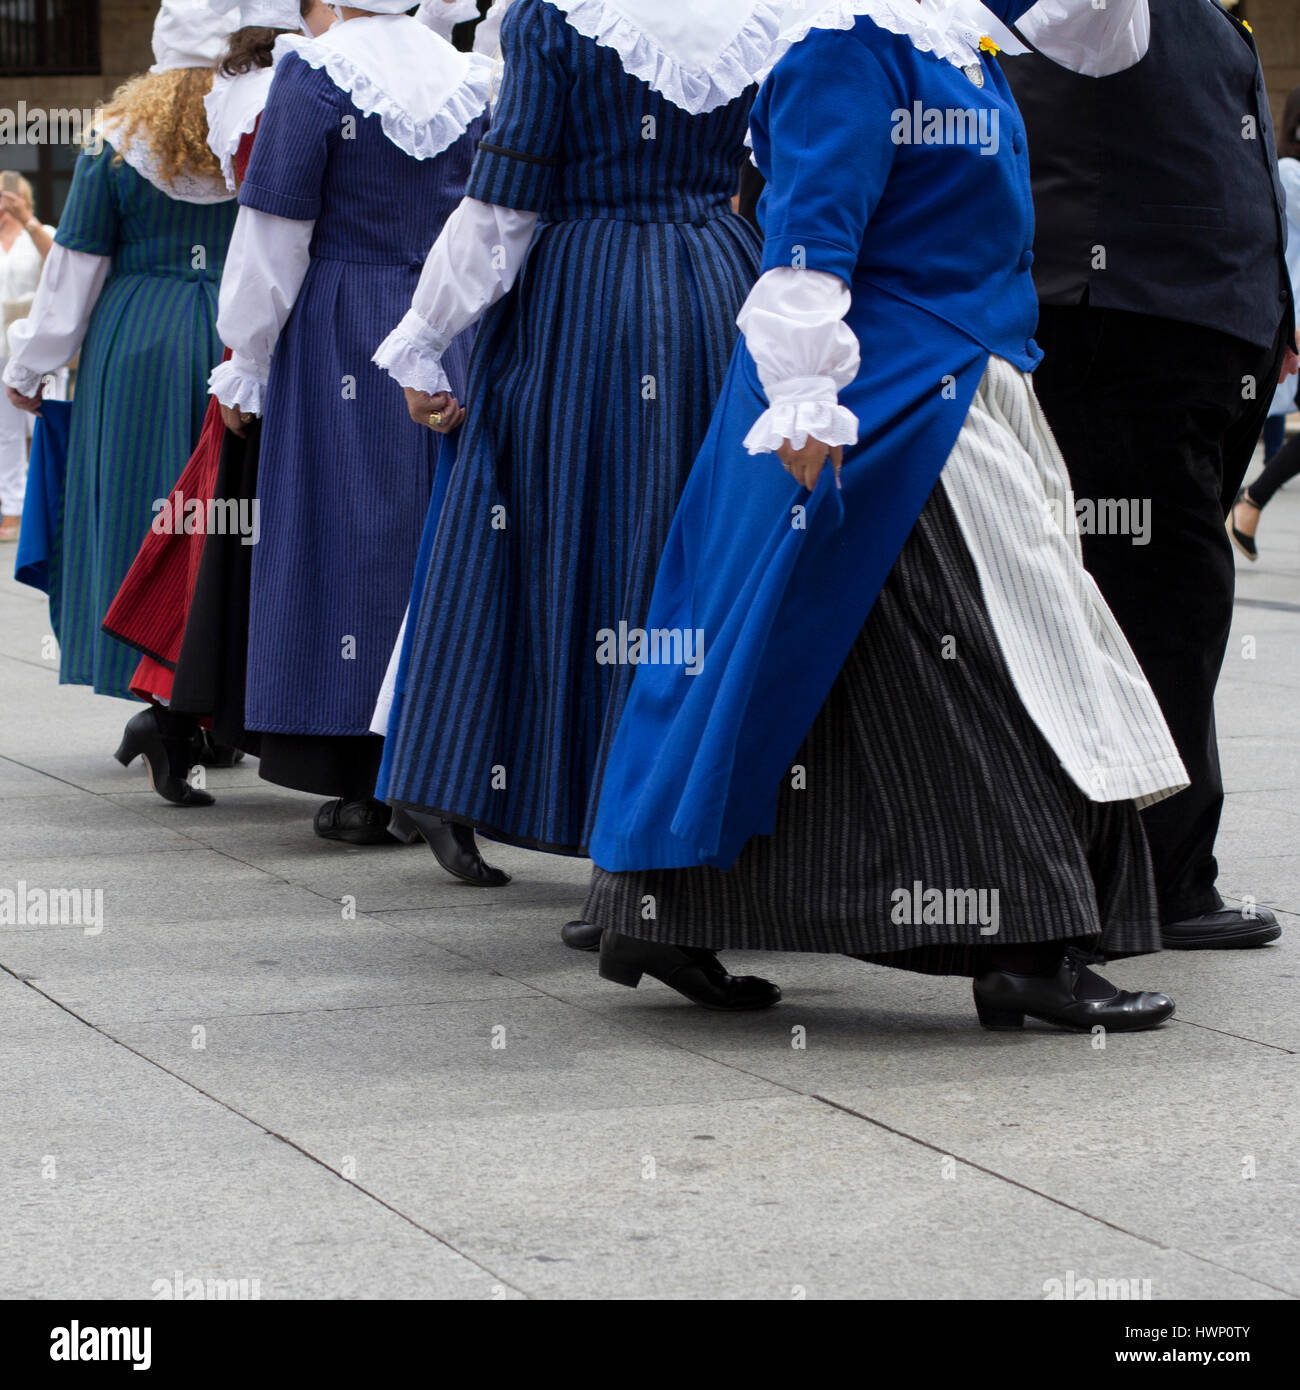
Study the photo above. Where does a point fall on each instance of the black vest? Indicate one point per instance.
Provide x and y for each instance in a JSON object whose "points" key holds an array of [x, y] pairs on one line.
{"points": [[1148, 193]]}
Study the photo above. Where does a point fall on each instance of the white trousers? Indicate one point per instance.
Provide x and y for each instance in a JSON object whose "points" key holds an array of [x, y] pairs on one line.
{"points": [[13, 455]]}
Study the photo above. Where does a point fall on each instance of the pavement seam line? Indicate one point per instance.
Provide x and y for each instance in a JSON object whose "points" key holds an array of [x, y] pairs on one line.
{"points": [[1047, 1196], [274, 1134]]}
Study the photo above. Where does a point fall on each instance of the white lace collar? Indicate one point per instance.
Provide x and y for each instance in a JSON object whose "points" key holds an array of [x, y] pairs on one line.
{"points": [[950, 29], [185, 188], [699, 55], [233, 106], [424, 92]]}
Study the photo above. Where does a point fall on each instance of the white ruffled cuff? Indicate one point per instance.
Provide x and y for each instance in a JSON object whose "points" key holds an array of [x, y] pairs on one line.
{"points": [[412, 356], [695, 87], [239, 384], [802, 409], [23, 379]]}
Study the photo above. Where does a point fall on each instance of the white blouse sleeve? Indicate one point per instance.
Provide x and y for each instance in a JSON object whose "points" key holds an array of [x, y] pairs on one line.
{"points": [[265, 267], [51, 335], [793, 322], [1095, 42], [474, 263]]}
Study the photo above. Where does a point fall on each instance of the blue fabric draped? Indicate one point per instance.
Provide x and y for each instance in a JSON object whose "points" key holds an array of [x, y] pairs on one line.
{"points": [[934, 240]]}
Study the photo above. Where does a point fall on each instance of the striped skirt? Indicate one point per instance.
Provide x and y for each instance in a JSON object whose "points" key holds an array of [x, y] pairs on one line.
{"points": [[927, 816], [591, 390]]}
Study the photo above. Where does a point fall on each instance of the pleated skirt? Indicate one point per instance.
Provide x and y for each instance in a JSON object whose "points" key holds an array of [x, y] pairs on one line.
{"points": [[212, 662], [141, 404], [926, 817], [591, 390]]}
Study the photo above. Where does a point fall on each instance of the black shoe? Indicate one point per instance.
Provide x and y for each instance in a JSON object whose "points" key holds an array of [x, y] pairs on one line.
{"points": [[1243, 542], [1225, 929], [155, 736], [354, 822], [212, 754], [1003, 999], [581, 936], [455, 848], [696, 973]]}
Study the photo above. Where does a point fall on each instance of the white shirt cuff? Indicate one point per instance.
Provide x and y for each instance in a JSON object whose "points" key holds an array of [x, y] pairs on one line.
{"points": [[412, 356], [240, 384]]}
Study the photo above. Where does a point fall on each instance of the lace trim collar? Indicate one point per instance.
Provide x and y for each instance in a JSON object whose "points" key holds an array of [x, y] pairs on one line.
{"points": [[950, 29], [699, 56], [424, 92], [185, 188], [233, 106]]}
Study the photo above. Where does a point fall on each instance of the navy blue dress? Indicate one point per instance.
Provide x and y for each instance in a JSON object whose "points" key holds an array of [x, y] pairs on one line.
{"points": [[345, 476], [590, 391]]}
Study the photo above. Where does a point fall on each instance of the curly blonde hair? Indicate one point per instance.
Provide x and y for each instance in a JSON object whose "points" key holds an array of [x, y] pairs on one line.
{"points": [[167, 109]]}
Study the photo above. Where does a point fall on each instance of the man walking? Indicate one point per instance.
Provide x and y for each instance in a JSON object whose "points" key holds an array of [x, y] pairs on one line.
{"points": [[1167, 320]]}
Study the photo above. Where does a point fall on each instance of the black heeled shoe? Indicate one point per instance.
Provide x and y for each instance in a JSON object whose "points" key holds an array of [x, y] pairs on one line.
{"points": [[453, 846], [581, 936], [153, 735], [690, 970], [1003, 1000], [354, 822], [1243, 542]]}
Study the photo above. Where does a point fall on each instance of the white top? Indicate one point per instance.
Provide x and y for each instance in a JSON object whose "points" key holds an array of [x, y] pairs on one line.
{"points": [[20, 268]]}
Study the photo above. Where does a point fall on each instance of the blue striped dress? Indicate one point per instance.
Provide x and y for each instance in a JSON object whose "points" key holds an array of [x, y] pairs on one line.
{"points": [[142, 390], [590, 391], [345, 476]]}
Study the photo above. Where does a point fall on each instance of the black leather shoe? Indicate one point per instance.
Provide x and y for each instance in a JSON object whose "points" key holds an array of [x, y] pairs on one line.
{"points": [[581, 936], [455, 848], [213, 754], [165, 745], [354, 822], [1225, 929], [1003, 1000], [696, 973]]}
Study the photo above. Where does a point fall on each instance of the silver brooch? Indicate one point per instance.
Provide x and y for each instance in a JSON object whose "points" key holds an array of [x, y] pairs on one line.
{"points": [[975, 71]]}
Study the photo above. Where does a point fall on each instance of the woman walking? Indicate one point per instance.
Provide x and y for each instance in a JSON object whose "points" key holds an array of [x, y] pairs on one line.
{"points": [[917, 735], [24, 244], [1283, 461], [132, 283], [152, 608], [598, 241], [362, 152]]}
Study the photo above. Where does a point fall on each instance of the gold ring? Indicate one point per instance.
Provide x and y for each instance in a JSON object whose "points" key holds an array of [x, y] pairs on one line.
{"points": [[435, 417]]}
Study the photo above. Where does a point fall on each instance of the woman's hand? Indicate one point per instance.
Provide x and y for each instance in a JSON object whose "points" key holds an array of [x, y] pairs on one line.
{"points": [[440, 412], [806, 464], [236, 421], [17, 207], [31, 404]]}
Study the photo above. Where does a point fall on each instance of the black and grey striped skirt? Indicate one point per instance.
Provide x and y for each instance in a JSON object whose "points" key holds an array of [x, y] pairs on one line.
{"points": [[926, 817]]}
